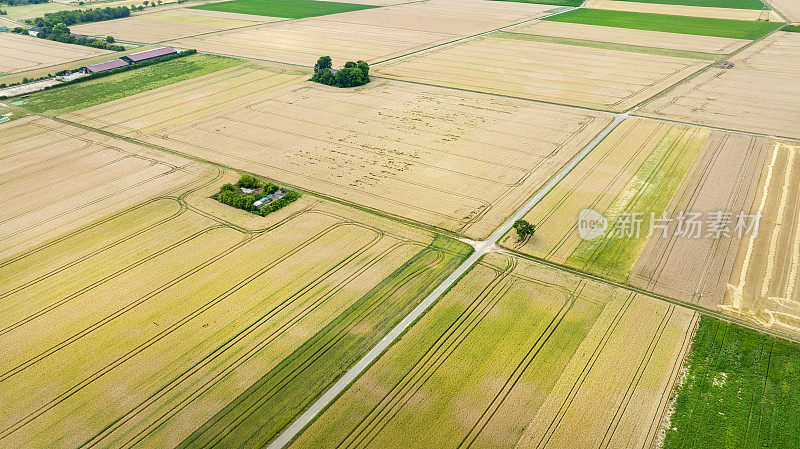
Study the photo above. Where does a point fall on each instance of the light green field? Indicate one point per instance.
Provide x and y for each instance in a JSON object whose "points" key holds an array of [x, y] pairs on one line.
{"points": [[516, 355]]}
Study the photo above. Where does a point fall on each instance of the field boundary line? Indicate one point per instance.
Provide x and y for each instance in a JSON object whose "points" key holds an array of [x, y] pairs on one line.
{"points": [[650, 294]]}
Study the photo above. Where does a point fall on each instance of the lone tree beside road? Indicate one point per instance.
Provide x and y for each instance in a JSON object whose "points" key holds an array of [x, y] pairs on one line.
{"points": [[524, 229]]}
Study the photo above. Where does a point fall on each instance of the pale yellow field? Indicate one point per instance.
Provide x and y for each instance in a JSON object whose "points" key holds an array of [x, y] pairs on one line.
{"points": [[140, 327], [591, 77], [681, 10], [789, 8], [456, 17], [517, 355], [59, 177], [21, 53], [760, 93], [160, 26], [626, 36], [460, 161]]}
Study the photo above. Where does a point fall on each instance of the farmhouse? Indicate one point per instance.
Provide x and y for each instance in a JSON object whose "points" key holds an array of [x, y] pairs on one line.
{"points": [[103, 66], [33, 31], [149, 54]]}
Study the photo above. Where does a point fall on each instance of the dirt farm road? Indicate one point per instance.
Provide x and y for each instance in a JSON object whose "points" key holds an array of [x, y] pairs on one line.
{"points": [[481, 248]]}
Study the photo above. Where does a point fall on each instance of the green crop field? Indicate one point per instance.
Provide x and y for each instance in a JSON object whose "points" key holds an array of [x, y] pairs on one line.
{"points": [[82, 95], [735, 4], [700, 26], [291, 9], [791, 28], [740, 391]]}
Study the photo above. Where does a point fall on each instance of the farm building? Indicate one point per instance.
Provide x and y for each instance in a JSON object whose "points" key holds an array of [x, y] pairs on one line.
{"points": [[34, 31], [149, 54], [103, 66]]}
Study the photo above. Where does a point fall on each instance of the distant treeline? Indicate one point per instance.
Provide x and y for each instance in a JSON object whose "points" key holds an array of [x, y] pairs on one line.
{"points": [[60, 33], [72, 17], [21, 2]]}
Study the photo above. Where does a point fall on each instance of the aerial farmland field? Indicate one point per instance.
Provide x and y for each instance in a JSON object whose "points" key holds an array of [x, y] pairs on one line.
{"points": [[397, 164], [510, 64], [768, 103], [647, 167], [163, 26], [517, 355], [168, 309], [291, 224], [22, 53]]}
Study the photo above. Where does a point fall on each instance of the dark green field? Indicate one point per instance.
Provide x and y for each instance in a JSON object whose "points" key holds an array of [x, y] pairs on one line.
{"points": [[82, 95], [290, 9], [735, 4], [548, 2], [701, 26], [741, 391], [792, 28]]}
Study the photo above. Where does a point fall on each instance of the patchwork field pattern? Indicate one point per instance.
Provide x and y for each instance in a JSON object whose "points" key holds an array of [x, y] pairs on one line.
{"points": [[581, 76], [371, 35], [160, 315], [58, 177], [460, 161], [21, 53], [682, 10], [657, 39], [758, 94], [517, 355], [160, 26], [652, 167]]}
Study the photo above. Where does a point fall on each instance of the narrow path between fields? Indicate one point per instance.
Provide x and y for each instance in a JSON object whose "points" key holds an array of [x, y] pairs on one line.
{"points": [[481, 248]]}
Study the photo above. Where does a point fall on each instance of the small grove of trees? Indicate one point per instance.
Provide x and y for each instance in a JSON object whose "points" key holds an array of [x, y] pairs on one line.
{"points": [[61, 33], [524, 229], [232, 195], [351, 75]]}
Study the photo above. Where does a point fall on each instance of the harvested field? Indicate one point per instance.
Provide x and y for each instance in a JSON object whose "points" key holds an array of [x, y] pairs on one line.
{"points": [[582, 76], [414, 151], [22, 53], [160, 26], [700, 26], [178, 314], [371, 35], [788, 8], [653, 167], [740, 390], [60, 177], [577, 364], [760, 93], [681, 10], [456, 17], [732, 4], [673, 41]]}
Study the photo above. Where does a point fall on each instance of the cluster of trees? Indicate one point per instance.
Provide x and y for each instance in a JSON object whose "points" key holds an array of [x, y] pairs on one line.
{"points": [[75, 16], [351, 75], [60, 33], [232, 195], [524, 229], [21, 2]]}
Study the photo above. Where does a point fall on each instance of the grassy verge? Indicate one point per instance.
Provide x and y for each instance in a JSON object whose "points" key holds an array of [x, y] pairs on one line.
{"points": [[740, 391], [89, 93], [609, 46], [548, 2], [734, 4], [650, 190], [258, 414], [291, 9], [791, 28], [700, 26]]}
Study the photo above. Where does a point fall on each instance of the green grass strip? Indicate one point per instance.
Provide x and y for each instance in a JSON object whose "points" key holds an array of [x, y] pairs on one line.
{"points": [[791, 28], [609, 46], [699, 26], [290, 9], [733, 4], [257, 415], [83, 95], [651, 189], [740, 391], [548, 2]]}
